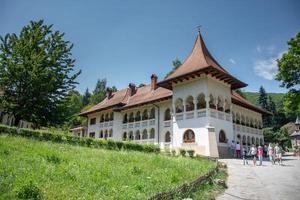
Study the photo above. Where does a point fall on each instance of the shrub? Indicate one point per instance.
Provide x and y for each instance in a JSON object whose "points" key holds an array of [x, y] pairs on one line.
{"points": [[30, 191], [111, 144], [8, 129], [173, 152], [119, 145], [182, 152], [151, 148], [191, 152]]}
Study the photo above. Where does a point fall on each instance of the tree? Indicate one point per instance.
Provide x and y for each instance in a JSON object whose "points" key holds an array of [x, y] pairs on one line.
{"points": [[263, 98], [289, 75], [176, 63], [99, 92], [36, 74], [86, 97]]}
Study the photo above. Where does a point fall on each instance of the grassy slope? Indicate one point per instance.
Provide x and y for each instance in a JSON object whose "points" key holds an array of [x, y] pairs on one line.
{"points": [[253, 97], [63, 171]]}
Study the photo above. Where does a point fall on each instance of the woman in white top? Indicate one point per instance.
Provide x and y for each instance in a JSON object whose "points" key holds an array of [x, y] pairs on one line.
{"points": [[253, 152]]}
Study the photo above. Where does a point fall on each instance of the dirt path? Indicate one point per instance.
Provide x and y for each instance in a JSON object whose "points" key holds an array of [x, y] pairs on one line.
{"points": [[263, 182]]}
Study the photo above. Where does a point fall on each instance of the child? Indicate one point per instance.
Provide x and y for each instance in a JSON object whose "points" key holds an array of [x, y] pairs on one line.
{"points": [[244, 154], [260, 154]]}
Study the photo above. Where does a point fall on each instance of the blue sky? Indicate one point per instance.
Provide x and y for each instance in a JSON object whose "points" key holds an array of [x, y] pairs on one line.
{"points": [[127, 41]]}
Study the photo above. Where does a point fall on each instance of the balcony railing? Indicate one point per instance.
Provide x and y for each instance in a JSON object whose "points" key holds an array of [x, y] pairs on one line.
{"points": [[152, 122], [189, 115], [201, 113], [167, 123], [179, 116]]}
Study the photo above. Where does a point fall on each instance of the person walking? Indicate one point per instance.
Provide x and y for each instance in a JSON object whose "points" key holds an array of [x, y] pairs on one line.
{"points": [[271, 153], [278, 154], [232, 147], [260, 154], [265, 150], [238, 150], [253, 152], [244, 155]]}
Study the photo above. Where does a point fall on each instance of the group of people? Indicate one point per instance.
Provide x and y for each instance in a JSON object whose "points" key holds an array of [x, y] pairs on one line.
{"points": [[274, 153]]}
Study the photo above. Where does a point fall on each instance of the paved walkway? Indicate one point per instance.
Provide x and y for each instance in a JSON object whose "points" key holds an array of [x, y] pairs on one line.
{"points": [[265, 182]]}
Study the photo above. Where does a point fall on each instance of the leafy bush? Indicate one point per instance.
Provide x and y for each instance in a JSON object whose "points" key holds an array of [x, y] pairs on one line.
{"points": [[191, 152], [60, 137], [182, 152], [173, 152], [30, 191]]}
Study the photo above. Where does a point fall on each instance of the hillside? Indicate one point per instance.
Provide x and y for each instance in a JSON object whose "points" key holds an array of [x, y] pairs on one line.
{"points": [[253, 97], [62, 171]]}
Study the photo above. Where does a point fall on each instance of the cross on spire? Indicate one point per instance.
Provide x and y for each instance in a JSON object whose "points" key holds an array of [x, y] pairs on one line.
{"points": [[198, 28]]}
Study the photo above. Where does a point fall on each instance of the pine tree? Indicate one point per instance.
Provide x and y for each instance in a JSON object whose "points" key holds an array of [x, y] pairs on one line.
{"points": [[99, 92], [263, 98], [86, 97], [176, 63]]}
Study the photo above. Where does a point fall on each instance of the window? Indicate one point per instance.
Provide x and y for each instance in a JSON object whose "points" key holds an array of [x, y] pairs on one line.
{"points": [[189, 136], [167, 115], [138, 116], [201, 104], [168, 137], [220, 104], [92, 134], [227, 106], [152, 113], [124, 136], [111, 117], [93, 121], [145, 134], [137, 135], [145, 114], [248, 140], [105, 134], [102, 118], [253, 140], [179, 105], [131, 118], [101, 134], [222, 137], [110, 133], [212, 102], [244, 140], [131, 135], [152, 133], [189, 106], [125, 120]]}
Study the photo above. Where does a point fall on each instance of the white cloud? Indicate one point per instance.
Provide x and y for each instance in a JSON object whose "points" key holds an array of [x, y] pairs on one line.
{"points": [[258, 49], [232, 61], [267, 68]]}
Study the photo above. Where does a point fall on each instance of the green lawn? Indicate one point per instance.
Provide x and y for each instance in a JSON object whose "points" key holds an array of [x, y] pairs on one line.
{"points": [[62, 171]]}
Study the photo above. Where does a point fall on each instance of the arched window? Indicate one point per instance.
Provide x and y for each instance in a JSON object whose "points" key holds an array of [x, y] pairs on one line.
{"points": [[212, 102], [189, 104], [106, 117], [131, 135], [137, 135], [152, 133], [237, 118], [253, 140], [102, 118], [244, 140], [179, 105], [257, 141], [222, 137], [124, 136], [105, 134], [243, 120], [131, 117], [125, 120], [152, 113], [248, 140], [238, 137], [168, 137], [261, 141], [167, 114], [111, 117], [145, 134], [227, 106], [145, 114], [138, 116], [233, 117], [220, 103], [101, 134], [189, 136], [110, 133], [201, 104]]}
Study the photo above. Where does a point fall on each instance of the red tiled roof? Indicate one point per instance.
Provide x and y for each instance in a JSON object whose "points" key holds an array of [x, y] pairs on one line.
{"points": [[118, 98], [200, 60], [121, 99], [239, 100]]}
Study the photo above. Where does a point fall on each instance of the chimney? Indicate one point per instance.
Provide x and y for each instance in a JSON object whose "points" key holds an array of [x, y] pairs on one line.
{"points": [[132, 88], [153, 82], [108, 92]]}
